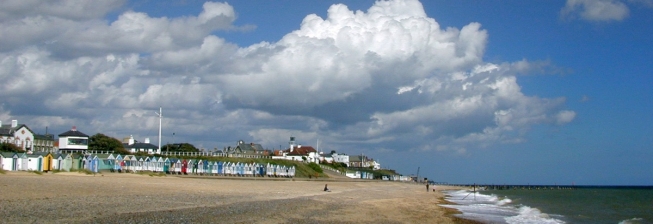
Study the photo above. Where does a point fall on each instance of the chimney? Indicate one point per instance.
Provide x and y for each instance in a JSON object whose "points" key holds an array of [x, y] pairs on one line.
{"points": [[14, 123], [131, 140], [147, 140], [74, 128]]}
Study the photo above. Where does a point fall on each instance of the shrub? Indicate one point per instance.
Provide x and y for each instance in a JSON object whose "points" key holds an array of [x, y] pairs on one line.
{"points": [[315, 167]]}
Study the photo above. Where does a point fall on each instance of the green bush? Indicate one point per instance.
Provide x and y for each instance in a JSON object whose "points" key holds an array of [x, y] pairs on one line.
{"points": [[316, 167]]}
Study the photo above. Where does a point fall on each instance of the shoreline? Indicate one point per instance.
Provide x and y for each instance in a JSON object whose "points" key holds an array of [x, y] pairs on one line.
{"points": [[66, 197]]}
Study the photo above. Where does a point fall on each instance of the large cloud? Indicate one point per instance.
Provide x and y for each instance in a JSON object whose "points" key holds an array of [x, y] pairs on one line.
{"points": [[389, 77]]}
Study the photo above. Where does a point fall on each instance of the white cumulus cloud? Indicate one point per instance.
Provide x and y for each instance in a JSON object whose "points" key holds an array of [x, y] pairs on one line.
{"points": [[388, 77]]}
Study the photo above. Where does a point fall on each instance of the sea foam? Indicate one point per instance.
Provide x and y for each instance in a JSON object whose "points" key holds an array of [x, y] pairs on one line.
{"points": [[492, 209]]}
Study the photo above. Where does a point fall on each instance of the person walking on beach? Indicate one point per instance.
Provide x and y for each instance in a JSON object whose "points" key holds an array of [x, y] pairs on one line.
{"points": [[326, 188], [427, 186]]}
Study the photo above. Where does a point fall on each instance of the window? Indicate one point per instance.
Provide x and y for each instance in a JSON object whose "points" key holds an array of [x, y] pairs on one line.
{"points": [[77, 141]]}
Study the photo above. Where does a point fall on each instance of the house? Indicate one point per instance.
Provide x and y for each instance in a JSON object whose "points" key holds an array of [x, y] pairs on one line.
{"points": [[73, 141], [360, 161], [297, 152], [340, 157], [44, 143], [246, 148], [17, 134], [326, 158], [134, 146]]}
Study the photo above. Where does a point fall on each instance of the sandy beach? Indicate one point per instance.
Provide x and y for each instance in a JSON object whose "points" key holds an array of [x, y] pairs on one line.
{"points": [[133, 198]]}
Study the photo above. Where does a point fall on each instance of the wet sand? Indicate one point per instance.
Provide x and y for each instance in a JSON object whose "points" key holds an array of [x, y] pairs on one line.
{"points": [[133, 198]]}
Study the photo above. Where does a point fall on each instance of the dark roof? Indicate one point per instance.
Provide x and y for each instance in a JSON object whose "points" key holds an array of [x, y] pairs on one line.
{"points": [[7, 130], [73, 133], [243, 147], [139, 145], [44, 137]]}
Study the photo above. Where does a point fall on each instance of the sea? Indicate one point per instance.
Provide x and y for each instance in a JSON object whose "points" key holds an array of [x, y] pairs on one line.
{"points": [[555, 204]]}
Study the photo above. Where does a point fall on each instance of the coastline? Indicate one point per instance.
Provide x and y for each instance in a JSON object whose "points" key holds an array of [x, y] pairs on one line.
{"points": [[109, 198]]}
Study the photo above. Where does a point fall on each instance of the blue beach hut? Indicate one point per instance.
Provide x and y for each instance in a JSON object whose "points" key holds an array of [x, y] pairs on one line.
{"points": [[220, 168]]}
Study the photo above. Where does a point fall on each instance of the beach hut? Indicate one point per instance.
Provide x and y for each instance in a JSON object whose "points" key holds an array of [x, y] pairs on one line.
{"points": [[205, 167], [57, 159], [228, 168], [200, 166], [133, 163], [261, 170], [92, 163], [291, 172], [105, 162], [184, 166], [9, 161], [126, 163], [78, 162], [193, 163], [166, 165], [160, 163], [66, 163], [220, 168], [46, 161], [178, 164], [118, 163], [34, 162], [23, 161]]}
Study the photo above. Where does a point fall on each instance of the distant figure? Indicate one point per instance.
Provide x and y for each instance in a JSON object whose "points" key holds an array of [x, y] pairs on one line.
{"points": [[427, 187], [326, 188]]}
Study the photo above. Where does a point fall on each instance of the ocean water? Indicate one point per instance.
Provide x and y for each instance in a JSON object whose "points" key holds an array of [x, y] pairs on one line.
{"points": [[584, 204]]}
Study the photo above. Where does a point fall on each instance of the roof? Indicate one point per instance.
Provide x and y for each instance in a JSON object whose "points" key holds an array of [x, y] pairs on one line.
{"points": [[44, 137], [7, 130], [139, 145], [300, 151], [73, 133], [243, 147]]}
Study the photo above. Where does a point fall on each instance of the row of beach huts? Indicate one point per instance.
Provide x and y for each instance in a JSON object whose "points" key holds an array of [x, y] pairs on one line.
{"points": [[44, 162]]}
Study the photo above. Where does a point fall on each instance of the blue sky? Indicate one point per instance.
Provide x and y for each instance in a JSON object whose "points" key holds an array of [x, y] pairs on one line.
{"points": [[521, 92]]}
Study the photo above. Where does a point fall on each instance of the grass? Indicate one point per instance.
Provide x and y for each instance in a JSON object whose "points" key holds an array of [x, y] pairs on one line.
{"points": [[2, 171], [151, 174], [36, 172], [87, 172]]}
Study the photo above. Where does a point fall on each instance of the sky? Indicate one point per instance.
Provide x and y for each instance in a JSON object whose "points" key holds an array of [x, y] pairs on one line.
{"points": [[487, 92]]}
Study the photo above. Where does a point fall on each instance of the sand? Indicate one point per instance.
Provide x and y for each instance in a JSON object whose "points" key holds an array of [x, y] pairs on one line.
{"points": [[134, 198]]}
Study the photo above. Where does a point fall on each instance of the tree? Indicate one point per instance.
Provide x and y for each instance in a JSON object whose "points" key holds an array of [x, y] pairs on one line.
{"points": [[9, 147], [101, 142]]}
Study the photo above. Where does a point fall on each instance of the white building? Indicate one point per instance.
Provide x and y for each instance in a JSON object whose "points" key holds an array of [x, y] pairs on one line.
{"points": [[134, 146], [17, 134], [298, 153], [73, 141]]}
